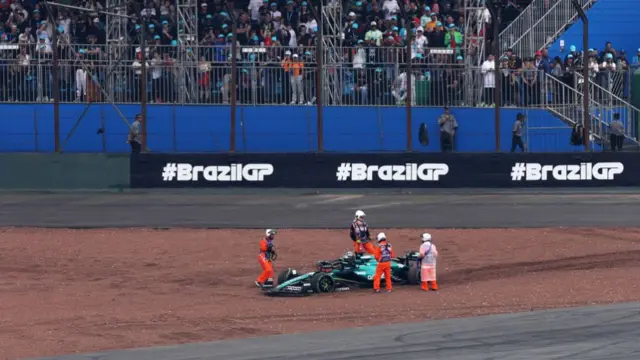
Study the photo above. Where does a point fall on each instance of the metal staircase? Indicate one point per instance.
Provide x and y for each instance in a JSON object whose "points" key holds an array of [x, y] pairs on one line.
{"points": [[566, 104], [539, 25]]}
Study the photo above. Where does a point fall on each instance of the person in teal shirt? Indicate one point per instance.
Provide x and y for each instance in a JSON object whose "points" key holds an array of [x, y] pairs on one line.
{"points": [[636, 59]]}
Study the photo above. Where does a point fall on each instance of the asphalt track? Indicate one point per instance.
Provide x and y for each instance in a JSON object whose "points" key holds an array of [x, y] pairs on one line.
{"points": [[605, 332], [424, 209], [592, 333]]}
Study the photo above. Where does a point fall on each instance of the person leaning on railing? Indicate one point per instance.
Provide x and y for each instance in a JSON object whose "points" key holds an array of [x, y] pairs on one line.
{"points": [[295, 68]]}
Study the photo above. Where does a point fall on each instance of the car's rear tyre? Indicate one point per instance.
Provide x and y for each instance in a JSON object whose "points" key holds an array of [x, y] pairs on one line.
{"points": [[286, 275], [413, 276], [322, 283]]}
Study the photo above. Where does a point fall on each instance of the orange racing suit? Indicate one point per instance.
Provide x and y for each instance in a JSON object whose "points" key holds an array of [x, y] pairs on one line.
{"points": [[359, 233], [383, 253], [264, 257]]}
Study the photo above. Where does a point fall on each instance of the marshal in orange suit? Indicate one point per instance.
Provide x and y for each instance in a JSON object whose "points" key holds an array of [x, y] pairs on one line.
{"points": [[383, 253], [265, 256]]}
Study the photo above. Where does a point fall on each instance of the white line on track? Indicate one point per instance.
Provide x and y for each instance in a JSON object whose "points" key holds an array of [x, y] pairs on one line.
{"points": [[331, 199], [339, 198], [389, 204]]}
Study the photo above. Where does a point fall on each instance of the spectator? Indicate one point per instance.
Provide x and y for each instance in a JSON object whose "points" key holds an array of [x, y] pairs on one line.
{"points": [[572, 52], [594, 67], [507, 77], [542, 63], [296, 67], [489, 72], [255, 7], [515, 62], [81, 77], [390, 9], [204, 79], [432, 22], [157, 77], [399, 88], [453, 39], [531, 83], [420, 43], [622, 64], [636, 58], [374, 35], [359, 59], [608, 49]]}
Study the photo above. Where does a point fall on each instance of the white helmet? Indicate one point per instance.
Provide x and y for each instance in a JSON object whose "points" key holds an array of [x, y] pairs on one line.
{"points": [[360, 214], [270, 232], [382, 236], [426, 237]]}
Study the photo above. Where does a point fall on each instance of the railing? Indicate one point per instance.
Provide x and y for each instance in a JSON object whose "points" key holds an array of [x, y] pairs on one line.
{"points": [[265, 75], [618, 82], [539, 25], [374, 76], [566, 102], [611, 104]]}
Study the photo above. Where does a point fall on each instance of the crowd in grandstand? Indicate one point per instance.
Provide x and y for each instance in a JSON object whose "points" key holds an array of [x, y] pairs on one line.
{"points": [[276, 55]]}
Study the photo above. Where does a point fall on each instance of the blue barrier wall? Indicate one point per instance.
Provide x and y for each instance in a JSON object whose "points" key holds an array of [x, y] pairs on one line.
{"points": [[29, 128], [609, 20]]}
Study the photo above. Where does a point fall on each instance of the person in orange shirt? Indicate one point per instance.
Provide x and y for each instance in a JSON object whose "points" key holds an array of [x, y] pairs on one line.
{"points": [[431, 25], [295, 68], [384, 254], [359, 233], [267, 253]]}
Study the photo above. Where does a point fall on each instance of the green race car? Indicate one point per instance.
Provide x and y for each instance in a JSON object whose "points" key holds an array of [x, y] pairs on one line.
{"points": [[344, 274]]}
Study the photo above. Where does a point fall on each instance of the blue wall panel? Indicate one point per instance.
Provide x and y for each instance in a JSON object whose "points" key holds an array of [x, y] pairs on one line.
{"points": [[18, 128], [202, 128], [364, 129], [276, 129], [28, 128], [609, 20]]}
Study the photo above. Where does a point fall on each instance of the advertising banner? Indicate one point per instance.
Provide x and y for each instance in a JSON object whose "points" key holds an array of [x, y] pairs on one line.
{"points": [[386, 170]]}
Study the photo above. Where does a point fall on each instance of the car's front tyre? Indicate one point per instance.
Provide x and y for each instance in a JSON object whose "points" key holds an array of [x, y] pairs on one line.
{"points": [[323, 283]]}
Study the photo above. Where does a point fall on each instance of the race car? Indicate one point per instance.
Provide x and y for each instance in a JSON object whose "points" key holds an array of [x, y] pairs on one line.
{"points": [[344, 274]]}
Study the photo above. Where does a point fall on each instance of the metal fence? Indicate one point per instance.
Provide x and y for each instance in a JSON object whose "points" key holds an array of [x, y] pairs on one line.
{"points": [[273, 76], [203, 75]]}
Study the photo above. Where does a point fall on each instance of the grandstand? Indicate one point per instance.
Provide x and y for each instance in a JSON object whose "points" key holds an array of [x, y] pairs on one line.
{"points": [[188, 52], [364, 58]]}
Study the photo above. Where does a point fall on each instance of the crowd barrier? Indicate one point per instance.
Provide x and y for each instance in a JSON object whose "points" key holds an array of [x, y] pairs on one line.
{"points": [[341, 170], [264, 76]]}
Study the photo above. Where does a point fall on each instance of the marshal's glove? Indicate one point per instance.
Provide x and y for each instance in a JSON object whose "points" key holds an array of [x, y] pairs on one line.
{"points": [[358, 242]]}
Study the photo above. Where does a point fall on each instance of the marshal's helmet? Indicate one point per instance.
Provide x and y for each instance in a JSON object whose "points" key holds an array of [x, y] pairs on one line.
{"points": [[270, 233]]}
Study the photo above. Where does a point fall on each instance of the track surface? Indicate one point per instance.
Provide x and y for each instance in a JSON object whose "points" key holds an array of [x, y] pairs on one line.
{"points": [[588, 333], [593, 333], [319, 211]]}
